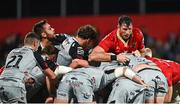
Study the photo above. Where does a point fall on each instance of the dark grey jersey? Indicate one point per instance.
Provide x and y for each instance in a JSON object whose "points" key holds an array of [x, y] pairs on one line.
{"points": [[83, 82], [68, 50], [20, 62], [91, 74], [95, 74], [106, 66], [134, 60]]}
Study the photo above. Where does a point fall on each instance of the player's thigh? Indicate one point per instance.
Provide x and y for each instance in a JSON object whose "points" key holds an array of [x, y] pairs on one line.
{"points": [[63, 92]]}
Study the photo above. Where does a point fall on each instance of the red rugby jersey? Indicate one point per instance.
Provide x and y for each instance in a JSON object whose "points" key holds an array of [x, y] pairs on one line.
{"points": [[170, 69], [111, 43], [175, 71]]}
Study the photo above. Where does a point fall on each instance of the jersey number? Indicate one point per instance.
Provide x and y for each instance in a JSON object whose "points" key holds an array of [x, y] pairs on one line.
{"points": [[14, 58]]}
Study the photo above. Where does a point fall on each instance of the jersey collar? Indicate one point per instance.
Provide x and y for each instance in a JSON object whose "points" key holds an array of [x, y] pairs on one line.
{"points": [[120, 38]]}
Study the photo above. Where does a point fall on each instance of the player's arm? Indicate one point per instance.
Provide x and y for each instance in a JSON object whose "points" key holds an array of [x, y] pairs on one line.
{"points": [[78, 56], [48, 72], [127, 72], [142, 51], [168, 96], [99, 54], [1, 70], [76, 63]]}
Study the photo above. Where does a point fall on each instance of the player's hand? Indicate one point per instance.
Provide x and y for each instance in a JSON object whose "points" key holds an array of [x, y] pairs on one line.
{"points": [[137, 53], [30, 82], [138, 80], [122, 58], [81, 62]]}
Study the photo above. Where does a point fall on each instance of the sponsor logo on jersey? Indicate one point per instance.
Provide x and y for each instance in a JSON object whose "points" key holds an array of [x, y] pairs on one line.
{"points": [[74, 82], [80, 51], [86, 95], [62, 94]]}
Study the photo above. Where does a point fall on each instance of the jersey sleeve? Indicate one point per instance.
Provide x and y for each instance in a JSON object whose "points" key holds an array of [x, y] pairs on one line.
{"points": [[40, 61], [76, 51], [52, 65], [107, 43], [165, 67], [140, 37], [1, 70], [59, 38], [168, 75]]}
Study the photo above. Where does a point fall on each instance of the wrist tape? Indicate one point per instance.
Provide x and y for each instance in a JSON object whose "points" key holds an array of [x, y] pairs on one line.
{"points": [[62, 70], [120, 71]]}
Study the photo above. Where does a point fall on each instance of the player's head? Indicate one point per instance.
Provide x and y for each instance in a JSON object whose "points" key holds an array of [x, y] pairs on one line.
{"points": [[88, 33], [32, 39], [50, 51], [125, 27], [43, 29]]}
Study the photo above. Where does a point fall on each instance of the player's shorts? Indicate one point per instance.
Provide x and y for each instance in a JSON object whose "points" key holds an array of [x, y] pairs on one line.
{"points": [[157, 81], [126, 91], [75, 86], [12, 91]]}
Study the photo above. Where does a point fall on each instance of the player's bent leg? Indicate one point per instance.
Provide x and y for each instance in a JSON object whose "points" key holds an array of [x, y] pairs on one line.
{"points": [[64, 90]]}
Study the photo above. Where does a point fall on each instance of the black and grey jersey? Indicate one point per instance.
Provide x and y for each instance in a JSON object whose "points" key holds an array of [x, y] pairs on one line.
{"points": [[95, 74], [68, 50], [58, 39]]}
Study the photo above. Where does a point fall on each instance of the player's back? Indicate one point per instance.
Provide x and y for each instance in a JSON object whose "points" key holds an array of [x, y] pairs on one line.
{"points": [[92, 74], [135, 60], [95, 74], [68, 50], [105, 66], [18, 63]]}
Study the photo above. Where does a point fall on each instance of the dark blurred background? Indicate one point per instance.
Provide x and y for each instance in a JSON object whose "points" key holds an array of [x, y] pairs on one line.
{"points": [[158, 19], [35, 8]]}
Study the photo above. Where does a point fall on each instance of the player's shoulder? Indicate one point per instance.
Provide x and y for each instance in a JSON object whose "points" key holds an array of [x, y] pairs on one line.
{"points": [[137, 33], [110, 35], [113, 32]]}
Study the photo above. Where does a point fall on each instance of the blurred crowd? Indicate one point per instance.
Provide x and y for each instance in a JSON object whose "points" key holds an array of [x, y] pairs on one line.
{"points": [[169, 49], [166, 50]]}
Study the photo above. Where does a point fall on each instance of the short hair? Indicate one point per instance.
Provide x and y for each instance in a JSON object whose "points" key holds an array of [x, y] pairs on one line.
{"points": [[49, 50], [38, 27], [87, 32], [124, 19], [30, 37]]}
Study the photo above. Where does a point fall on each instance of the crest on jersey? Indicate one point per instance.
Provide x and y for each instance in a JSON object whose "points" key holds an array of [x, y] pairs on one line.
{"points": [[80, 51]]}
